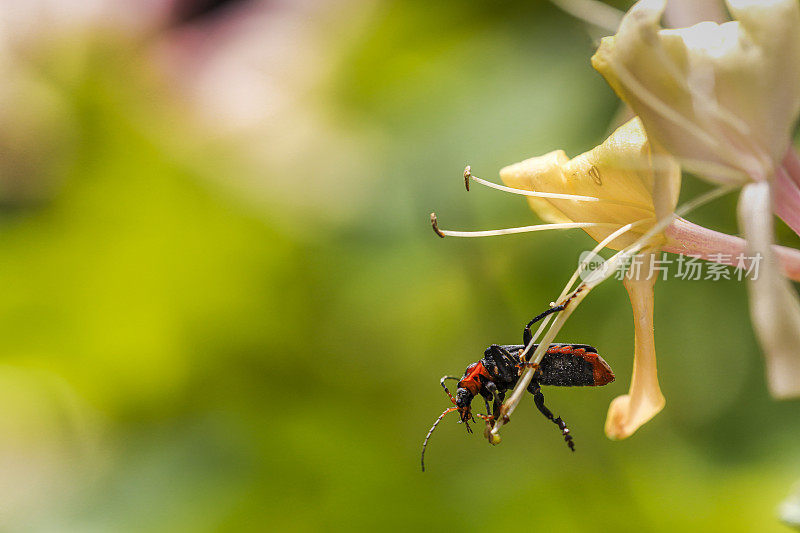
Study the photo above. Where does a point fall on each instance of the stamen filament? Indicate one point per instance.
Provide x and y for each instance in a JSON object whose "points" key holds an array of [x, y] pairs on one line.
{"points": [[510, 231], [554, 195], [595, 253]]}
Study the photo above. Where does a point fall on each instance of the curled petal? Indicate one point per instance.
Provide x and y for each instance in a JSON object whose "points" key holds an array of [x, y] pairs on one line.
{"points": [[774, 305], [630, 180], [644, 400]]}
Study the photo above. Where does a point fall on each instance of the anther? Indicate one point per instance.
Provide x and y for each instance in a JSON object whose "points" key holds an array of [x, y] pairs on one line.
{"points": [[467, 176], [435, 226]]}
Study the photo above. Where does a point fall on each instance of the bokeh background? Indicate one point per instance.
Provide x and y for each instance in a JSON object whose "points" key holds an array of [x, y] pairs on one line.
{"points": [[223, 308]]}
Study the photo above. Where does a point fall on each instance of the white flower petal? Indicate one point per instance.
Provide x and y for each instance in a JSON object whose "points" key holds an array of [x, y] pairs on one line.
{"points": [[727, 95], [774, 304]]}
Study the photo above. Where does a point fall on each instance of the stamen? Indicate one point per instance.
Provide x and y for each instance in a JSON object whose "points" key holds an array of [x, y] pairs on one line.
{"points": [[595, 253], [509, 231], [435, 226], [554, 195]]}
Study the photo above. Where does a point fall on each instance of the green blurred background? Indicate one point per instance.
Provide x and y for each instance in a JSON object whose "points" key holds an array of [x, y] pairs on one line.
{"points": [[223, 308]]}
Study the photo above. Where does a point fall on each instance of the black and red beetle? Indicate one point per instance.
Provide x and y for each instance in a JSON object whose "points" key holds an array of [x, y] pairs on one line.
{"points": [[563, 365]]}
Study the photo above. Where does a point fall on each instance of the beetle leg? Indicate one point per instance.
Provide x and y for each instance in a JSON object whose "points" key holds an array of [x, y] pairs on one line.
{"points": [[504, 362], [527, 364], [488, 408], [526, 333], [538, 399], [496, 402]]}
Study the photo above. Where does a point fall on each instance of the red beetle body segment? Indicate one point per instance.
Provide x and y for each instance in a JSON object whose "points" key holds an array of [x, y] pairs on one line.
{"points": [[472, 378]]}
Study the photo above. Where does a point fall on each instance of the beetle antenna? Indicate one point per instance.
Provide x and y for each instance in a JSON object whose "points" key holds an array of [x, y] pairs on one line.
{"points": [[441, 382], [428, 436]]}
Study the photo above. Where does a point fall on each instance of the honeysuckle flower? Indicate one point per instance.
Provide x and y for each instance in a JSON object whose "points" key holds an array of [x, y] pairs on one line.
{"points": [[633, 186], [623, 194], [724, 100]]}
